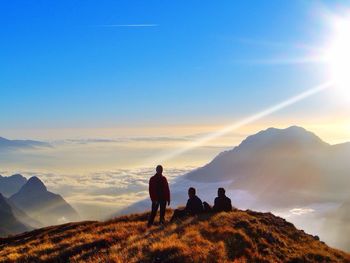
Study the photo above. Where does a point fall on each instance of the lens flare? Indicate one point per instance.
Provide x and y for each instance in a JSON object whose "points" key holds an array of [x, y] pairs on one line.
{"points": [[338, 57]]}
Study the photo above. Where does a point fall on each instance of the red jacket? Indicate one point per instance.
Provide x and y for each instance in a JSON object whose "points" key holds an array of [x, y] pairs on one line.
{"points": [[159, 188]]}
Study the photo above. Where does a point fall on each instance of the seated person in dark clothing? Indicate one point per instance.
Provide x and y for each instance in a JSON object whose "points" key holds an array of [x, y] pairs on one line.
{"points": [[222, 203], [194, 206]]}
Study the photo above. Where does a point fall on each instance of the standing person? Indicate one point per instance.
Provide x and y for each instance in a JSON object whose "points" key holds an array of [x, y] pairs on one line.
{"points": [[160, 195]]}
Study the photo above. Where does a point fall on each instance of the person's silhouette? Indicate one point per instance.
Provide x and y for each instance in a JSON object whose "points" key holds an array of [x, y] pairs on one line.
{"points": [[222, 202], [160, 195], [194, 206]]}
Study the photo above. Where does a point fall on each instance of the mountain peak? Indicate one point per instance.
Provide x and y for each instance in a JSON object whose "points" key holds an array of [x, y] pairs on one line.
{"points": [[10, 185], [17, 176], [34, 184], [293, 135]]}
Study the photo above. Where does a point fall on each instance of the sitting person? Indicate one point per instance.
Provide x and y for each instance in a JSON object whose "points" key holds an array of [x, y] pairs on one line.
{"points": [[193, 207], [221, 204]]}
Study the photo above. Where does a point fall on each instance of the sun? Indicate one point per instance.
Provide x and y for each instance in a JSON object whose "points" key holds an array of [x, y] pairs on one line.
{"points": [[338, 56]]}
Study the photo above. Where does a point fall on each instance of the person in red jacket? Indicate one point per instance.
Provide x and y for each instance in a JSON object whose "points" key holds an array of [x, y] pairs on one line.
{"points": [[160, 195]]}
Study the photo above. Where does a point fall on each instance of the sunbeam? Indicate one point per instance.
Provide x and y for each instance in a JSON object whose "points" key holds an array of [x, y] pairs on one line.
{"points": [[250, 119]]}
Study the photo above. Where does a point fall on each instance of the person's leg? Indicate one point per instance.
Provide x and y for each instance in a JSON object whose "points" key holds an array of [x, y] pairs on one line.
{"points": [[153, 214], [175, 215], [162, 211], [178, 213]]}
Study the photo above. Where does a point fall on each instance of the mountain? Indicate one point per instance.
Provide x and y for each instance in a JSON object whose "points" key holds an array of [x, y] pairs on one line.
{"points": [[9, 224], [6, 144], [21, 216], [11, 184], [42, 205], [237, 236], [282, 167]]}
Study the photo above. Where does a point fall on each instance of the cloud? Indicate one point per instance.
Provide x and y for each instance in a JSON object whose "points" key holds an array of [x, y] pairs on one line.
{"points": [[104, 190], [301, 211], [6, 144], [131, 139]]}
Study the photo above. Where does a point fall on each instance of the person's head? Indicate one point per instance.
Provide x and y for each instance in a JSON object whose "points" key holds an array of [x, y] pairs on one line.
{"points": [[159, 169], [191, 192], [221, 192]]}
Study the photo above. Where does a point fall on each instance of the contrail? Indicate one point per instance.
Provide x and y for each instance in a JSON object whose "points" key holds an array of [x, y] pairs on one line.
{"points": [[248, 120], [128, 25]]}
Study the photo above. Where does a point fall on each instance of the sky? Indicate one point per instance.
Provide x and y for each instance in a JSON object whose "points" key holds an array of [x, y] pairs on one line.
{"points": [[115, 85], [94, 65]]}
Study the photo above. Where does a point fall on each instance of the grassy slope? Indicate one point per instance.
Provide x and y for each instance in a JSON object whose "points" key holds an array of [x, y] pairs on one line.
{"points": [[240, 236]]}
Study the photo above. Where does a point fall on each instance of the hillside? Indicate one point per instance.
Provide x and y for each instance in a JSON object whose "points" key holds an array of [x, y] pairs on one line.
{"points": [[244, 236], [8, 222]]}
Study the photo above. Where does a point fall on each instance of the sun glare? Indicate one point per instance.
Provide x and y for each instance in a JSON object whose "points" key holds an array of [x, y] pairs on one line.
{"points": [[338, 56]]}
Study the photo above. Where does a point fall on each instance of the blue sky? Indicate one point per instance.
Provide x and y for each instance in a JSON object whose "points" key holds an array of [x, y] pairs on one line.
{"points": [[64, 64]]}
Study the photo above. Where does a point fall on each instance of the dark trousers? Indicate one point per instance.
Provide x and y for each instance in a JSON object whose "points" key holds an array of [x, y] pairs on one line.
{"points": [[155, 205], [179, 213]]}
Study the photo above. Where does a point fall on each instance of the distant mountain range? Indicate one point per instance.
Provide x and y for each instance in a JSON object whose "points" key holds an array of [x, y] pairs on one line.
{"points": [[32, 206], [6, 144]]}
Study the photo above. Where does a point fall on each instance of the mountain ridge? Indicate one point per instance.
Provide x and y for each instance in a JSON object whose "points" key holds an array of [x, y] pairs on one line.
{"points": [[272, 152]]}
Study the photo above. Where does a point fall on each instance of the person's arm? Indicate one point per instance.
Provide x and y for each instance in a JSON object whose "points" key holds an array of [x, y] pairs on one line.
{"points": [[229, 204], [167, 191], [201, 207], [188, 206], [215, 207], [151, 190], [198, 206]]}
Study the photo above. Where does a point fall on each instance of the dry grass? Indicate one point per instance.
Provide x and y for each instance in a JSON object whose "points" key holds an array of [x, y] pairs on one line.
{"points": [[239, 236]]}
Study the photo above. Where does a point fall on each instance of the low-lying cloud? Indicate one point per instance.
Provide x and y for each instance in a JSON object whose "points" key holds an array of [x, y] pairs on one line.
{"points": [[115, 189]]}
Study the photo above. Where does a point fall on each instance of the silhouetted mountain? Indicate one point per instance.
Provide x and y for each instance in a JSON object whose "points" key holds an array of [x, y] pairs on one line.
{"points": [[282, 167], [23, 217], [237, 236], [6, 144], [9, 224], [42, 205], [10, 185]]}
